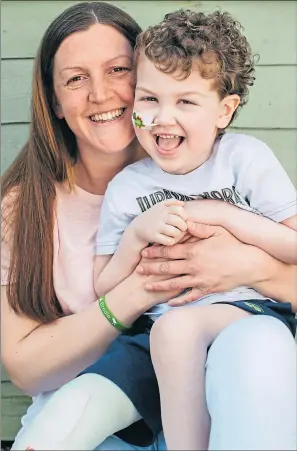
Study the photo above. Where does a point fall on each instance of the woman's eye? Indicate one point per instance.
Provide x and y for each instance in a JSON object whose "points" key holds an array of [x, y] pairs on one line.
{"points": [[75, 79], [149, 99], [120, 70]]}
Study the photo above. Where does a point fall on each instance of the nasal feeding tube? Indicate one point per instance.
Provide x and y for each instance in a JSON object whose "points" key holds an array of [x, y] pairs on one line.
{"points": [[143, 121]]}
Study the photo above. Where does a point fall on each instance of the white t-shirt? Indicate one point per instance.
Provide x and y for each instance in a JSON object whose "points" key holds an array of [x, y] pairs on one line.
{"points": [[241, 170]]}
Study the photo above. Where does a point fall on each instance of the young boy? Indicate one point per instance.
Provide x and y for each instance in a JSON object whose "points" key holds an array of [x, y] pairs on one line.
{"points": [[193, 75]]}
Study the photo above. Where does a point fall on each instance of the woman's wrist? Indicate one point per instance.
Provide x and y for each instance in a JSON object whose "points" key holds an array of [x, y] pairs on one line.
{"points": [[127, 301]]}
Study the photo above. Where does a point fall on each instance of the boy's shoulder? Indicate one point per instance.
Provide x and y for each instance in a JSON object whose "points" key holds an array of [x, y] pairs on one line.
{"points": [[241, 143]]}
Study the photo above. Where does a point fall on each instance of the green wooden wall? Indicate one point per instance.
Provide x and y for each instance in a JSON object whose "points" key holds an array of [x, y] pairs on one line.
{"points": [[270, 114]]}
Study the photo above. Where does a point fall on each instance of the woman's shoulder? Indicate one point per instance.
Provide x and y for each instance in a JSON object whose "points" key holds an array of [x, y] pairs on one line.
{"points": [[76, 209], [76, 196]]}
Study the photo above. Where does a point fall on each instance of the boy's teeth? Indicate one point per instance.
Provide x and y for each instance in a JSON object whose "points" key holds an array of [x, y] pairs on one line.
{"points": [[168, 136], [107, 116], [169, 142]]}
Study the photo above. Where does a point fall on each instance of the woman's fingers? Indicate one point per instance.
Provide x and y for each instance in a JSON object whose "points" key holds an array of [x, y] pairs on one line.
{"points": [[174, 268], [177, 283], [187, 297], [183, 250], [176, 252]]}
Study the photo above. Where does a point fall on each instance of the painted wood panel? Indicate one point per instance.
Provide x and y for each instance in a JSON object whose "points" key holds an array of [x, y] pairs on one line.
{"points": [[269, 25]]}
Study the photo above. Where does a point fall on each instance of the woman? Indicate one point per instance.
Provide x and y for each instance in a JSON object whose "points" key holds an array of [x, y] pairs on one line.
{"points": [[81, 136]]}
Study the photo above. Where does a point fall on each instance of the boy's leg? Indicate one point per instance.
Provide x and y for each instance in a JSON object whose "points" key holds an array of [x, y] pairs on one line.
{"points": [[179, 343]]}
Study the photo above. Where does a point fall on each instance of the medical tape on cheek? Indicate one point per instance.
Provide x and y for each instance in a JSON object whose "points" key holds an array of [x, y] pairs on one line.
{"points": [[143, 121]]}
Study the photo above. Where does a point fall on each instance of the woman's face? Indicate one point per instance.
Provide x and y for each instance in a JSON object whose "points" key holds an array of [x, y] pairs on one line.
{"points": [[94, 85]]}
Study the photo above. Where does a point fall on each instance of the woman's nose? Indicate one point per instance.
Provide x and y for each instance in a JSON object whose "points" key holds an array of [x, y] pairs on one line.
{"points": [[99, 90]]}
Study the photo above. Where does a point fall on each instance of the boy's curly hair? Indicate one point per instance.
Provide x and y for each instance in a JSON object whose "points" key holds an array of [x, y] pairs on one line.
{"points": [[213, 43]]}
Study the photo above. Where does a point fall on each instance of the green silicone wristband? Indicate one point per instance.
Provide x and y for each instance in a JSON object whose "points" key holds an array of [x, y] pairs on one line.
{"points": [[110, 317]]}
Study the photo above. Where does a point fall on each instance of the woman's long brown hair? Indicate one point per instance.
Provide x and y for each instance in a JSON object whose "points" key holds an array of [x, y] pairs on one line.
{"points": [[48, 157]]}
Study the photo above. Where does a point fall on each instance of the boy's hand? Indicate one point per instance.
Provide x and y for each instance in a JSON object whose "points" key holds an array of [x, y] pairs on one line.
{"points": [[208, 211], [164, 223]]}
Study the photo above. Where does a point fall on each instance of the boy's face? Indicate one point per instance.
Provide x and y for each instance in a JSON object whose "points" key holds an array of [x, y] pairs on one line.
{"points": [[188, 113]]}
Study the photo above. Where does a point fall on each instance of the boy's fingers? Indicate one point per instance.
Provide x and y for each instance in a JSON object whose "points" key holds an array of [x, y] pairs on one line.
{"points": [[177, 221], [173, 202]]}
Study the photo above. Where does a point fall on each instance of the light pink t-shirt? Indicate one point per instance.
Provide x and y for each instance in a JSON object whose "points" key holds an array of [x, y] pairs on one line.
{"points": [[75, 227]]}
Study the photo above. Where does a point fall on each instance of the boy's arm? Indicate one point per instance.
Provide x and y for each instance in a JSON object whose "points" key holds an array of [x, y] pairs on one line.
{"points": [[279, 240], [164, 223], [110, 270]]}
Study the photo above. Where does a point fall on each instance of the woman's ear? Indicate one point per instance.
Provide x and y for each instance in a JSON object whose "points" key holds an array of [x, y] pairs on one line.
{"points": [[228, 106], [57, 108]]}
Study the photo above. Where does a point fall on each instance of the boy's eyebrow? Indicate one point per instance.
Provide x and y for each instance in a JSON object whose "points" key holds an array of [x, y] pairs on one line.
{"points": [[180, 94], [187, 93], [144, 89]]}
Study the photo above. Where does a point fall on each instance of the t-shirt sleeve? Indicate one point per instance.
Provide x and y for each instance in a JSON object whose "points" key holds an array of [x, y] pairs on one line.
{"points": [[112, 223], [267, 187]]}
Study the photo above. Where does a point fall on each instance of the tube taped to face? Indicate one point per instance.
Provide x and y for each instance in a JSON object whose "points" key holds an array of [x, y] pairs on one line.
{"points": [[143, 121]]}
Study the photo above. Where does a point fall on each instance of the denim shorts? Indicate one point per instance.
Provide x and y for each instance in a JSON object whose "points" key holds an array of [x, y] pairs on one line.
{"points": [[280, 310], [127, 363]]}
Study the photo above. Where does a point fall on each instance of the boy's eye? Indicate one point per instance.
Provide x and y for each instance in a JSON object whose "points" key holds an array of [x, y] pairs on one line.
{"points": [[149, 99], [187, 102]]}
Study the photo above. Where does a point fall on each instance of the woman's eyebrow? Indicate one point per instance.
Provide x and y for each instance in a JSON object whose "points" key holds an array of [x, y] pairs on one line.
{"points": [[107, 62], [124, 55], [70, 68]]}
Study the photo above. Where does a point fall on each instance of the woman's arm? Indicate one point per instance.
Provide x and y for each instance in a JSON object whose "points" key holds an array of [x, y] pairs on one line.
{"points": [[278, 240], [217, 262], [42, 357]]}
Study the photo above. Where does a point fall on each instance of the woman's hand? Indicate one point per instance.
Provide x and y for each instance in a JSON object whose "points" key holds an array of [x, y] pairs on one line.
{"points": [[137, 283], [213, 261]]}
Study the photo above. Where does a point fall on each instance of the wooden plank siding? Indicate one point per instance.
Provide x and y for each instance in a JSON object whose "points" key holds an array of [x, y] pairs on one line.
{"points": [[270, 115]]}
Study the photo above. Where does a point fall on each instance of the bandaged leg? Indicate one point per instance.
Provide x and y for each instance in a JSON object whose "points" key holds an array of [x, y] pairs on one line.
{"points": [[80, 415], [179, 343], [251, 387]]}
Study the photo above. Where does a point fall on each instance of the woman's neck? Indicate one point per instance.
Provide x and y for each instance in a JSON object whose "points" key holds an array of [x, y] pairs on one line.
{"points": [[94, 171]]}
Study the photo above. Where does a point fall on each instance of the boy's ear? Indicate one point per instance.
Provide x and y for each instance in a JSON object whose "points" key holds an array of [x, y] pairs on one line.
{"points": [[57, 108], [228, 106]]}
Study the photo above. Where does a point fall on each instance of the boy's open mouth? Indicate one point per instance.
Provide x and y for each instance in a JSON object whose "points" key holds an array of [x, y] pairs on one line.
{"points": [[169, 142]]}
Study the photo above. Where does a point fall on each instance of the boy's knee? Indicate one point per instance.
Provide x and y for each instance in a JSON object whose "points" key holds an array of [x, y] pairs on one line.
{"points": [[175, 326]]}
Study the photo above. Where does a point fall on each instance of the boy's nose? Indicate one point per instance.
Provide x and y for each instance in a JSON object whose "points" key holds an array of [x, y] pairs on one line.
{"points": [[165, 116]]}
